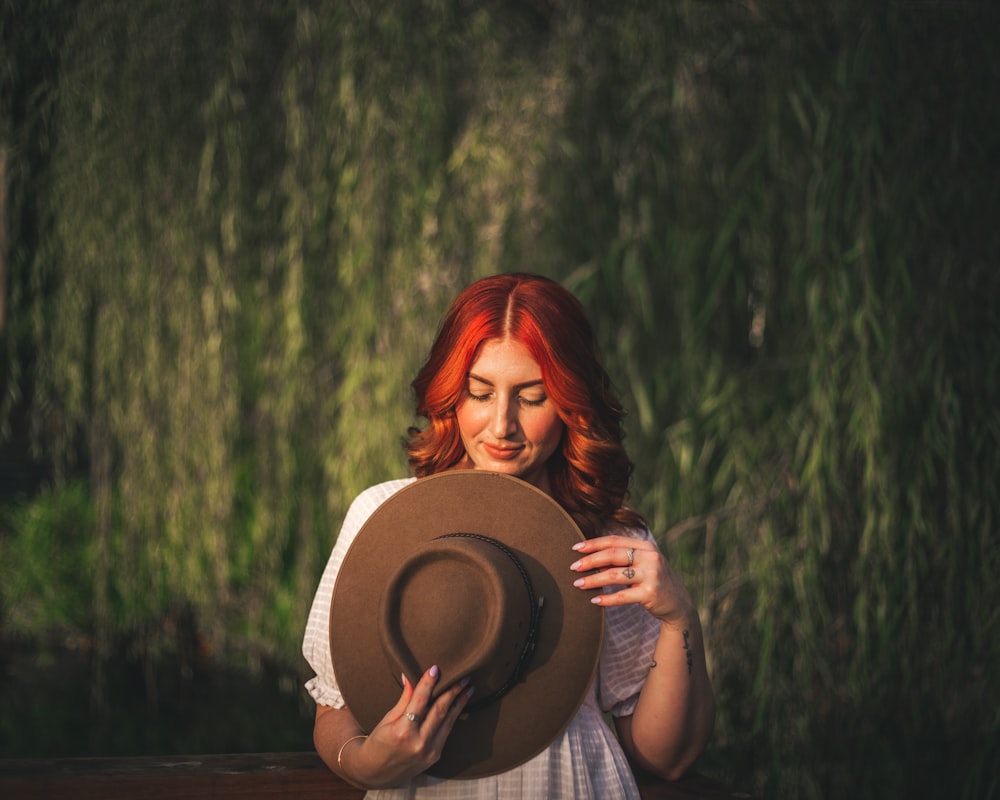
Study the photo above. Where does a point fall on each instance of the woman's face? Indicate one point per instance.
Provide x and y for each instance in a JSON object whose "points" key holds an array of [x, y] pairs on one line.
{"points": [[507, 422]]}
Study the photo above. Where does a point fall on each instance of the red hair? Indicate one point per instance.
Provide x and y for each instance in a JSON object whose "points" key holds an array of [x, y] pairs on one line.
{"points": [[590, 471]]}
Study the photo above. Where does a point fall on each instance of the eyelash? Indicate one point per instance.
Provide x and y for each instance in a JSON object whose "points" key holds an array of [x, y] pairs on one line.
{"points": [[482, 398]]}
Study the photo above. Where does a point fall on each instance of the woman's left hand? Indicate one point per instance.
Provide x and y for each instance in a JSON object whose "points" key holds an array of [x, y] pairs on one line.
{"points": [[643, 572]]}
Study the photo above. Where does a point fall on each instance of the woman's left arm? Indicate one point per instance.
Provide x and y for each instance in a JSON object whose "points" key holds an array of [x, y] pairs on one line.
{"points": [[675, 713]]}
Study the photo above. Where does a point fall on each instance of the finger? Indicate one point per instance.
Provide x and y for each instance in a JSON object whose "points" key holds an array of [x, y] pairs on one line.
{"points": [[623, 556], [612, 576], [456, 702], [404, 699], [605, 542], [420, 697], [425, 686], [622, 597], [452, 702], [439, 709]]}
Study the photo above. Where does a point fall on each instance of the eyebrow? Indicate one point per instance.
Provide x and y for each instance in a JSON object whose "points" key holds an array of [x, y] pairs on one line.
{"points": [[519, 386]]}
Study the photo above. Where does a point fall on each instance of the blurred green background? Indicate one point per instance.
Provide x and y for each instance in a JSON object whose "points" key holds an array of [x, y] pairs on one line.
{"points": [[229, 229]]}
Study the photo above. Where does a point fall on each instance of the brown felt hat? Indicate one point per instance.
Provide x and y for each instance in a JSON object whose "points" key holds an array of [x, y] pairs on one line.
{"points": [[470, 571]]}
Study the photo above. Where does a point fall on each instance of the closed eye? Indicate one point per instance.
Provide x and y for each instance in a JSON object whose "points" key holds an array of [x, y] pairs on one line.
{"points": [[482, 391], [524, 401]]}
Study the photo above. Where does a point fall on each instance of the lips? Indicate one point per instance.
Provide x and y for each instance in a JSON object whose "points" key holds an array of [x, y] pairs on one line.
{"points": [[501, 453]]}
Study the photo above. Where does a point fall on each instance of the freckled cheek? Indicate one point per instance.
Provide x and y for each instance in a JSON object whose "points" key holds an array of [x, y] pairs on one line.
{"points": [[470, 420], [546, 433]]}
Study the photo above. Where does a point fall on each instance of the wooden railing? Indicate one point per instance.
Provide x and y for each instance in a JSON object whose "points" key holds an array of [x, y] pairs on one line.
{"points": [[250, 776]]}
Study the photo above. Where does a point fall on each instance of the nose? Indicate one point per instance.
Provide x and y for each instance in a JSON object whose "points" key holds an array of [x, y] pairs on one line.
{"points": [[504, 422]]}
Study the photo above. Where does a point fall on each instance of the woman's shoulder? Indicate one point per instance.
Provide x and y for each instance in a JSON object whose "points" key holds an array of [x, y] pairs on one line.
{"points": [[372, 497], [364, 505], [380, 492]]}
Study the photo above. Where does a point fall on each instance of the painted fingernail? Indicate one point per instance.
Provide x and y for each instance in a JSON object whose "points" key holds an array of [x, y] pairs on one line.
{"points": [[579, 545], [578, 582], [575, 566], [596, 600], [434, 671]]}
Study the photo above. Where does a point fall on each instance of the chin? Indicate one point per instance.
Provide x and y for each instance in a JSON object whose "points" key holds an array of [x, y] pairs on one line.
{"points": [[505, 468]]}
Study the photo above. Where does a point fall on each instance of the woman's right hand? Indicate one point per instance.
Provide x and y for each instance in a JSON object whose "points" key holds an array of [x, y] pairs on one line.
{"points": [[410, 737]]}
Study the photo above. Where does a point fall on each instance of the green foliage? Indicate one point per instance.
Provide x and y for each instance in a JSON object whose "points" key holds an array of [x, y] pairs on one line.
{"points": [[782, 220], [769, 198], [47, 561], [256, 216]]}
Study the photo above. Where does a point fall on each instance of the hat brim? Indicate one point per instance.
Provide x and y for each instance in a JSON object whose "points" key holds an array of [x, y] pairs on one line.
{"points": [[534, 712]]}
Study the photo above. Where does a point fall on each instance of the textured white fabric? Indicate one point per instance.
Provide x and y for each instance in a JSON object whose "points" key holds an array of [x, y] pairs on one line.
{"points": [[585, 761]]}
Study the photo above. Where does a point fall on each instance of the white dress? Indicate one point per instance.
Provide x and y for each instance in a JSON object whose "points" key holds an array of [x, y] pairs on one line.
{"points": [[585, 760]]}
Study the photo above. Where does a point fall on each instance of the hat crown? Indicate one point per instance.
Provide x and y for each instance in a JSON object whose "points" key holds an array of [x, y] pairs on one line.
{"points": [[464, 603]]}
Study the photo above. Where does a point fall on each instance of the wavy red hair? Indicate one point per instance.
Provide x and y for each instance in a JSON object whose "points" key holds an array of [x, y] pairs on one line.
{"points": [[590, 471]]}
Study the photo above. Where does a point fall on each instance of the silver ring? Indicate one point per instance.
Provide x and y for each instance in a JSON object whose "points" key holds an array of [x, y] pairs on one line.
{"points": [[631, 554], [411, 716]]}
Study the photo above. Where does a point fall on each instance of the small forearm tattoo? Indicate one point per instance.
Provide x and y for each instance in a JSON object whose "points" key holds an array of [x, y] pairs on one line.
{"points": [[688, 654]]}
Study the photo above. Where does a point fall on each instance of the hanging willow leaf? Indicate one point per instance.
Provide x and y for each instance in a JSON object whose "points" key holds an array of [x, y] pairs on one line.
{"points": [[233, 227]]}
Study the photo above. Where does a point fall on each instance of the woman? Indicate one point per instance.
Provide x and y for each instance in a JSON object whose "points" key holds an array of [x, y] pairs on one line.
{"points": [[513, 385]]}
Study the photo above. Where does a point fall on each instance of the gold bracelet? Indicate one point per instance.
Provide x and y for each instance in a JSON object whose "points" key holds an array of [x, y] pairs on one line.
{"points": [[340, 755]]}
